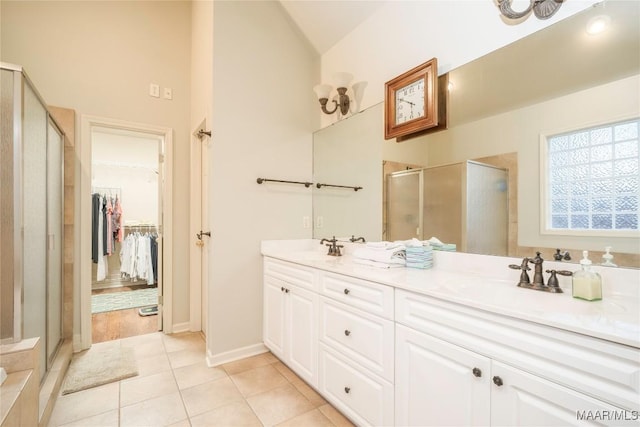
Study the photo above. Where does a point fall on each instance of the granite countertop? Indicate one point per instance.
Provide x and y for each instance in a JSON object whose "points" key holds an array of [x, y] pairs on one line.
{"points": [[486, 283]]}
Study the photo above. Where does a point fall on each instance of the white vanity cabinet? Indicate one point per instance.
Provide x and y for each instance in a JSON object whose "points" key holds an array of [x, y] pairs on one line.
{"points": [[356, 368], [290, 322], [457, 365]]}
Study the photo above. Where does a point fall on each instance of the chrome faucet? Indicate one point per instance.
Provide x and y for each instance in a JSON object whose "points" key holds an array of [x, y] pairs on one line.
{"points": [[334, 248]]}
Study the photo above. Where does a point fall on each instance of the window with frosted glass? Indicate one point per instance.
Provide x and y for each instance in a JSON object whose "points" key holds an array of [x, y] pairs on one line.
{"points": [[592, 178]]}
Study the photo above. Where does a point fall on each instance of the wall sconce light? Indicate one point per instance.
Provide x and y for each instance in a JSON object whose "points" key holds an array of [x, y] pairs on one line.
{"points": [[543, 9], [343, 103]]}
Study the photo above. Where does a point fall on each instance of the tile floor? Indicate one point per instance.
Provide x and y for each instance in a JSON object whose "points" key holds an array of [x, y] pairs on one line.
{"points": [[176, 388]]}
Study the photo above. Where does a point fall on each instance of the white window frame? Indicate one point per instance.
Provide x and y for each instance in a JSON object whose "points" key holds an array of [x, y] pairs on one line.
{"points": [[544, 181]]}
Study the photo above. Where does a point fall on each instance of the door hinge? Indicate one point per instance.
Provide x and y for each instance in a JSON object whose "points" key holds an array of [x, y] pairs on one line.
{"points": [[160, 300], [161, 158]]}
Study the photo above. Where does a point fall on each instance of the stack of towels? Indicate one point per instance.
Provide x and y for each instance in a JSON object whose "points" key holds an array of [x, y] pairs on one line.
{"points": [[437, 245], [381, 254], [419, 254]]}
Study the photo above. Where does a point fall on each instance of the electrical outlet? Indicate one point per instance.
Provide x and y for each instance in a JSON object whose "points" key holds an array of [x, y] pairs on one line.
{"points": [[306, 222], [319, 222], [168, 93], [154, 90]]}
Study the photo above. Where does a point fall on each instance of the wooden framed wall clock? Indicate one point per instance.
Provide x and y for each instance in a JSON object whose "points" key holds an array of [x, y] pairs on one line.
{"points": [[411, 101]]}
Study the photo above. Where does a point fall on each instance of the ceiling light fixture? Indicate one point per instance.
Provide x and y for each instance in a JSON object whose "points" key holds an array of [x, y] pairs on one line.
{"points": [[598, 24], [343, 103], [543, 9]]}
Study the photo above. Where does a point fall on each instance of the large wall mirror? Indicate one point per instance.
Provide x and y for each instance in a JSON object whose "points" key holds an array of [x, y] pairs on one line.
{"points": [[556, 80]]}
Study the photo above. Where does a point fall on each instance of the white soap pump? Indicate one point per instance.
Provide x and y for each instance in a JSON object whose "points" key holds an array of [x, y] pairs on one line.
{"points": [[587, 284], [607, 257]]}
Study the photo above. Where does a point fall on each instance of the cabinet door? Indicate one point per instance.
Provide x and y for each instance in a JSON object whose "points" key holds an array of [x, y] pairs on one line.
{"points": [[527, 400], [438, 383], [302, 333], [273, 329]]}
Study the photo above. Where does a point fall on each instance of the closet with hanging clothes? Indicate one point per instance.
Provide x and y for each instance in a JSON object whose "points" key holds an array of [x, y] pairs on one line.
{"points": [[125, 224]]}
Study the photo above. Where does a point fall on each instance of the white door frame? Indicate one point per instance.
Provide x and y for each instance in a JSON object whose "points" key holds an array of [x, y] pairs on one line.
{"points": [[87, 123], [199, 267]]}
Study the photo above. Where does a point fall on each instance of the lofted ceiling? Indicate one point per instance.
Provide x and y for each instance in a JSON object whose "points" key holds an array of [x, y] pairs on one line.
{"points": [[325, 22]]}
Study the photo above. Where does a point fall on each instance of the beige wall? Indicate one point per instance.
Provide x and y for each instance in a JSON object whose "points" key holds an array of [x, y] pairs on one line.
{"points": [[98, 58], [263, 108]]}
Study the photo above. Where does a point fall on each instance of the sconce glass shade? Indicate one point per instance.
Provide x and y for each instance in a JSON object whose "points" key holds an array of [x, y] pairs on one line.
{"points": [[342, 79], [322, 91]]}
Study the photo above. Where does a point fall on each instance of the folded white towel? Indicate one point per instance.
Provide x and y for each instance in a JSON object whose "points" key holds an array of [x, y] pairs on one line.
{"points": [[395, 256], [371, 263]]}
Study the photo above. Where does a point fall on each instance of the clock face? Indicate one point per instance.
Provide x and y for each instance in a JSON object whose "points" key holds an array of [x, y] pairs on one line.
{"points": [[410, 102]]}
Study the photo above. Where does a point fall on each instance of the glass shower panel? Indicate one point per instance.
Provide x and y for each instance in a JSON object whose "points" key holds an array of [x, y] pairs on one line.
{"points": [[404, 193], [487, 209], [7, 293], [443, 204], [35, 227], [54, 238]]}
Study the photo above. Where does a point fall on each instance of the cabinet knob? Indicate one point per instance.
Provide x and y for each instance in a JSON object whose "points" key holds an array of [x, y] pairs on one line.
{"points": [[347, 332], [286, 291], [347, 390], [346, 291], [282, 288], [497, 381], [477, 372]]}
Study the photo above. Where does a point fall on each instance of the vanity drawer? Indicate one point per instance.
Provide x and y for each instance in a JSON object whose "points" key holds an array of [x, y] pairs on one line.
{"points": [[366, 339], [364, 398], [602, 369], [295, 274], [371, 297]]}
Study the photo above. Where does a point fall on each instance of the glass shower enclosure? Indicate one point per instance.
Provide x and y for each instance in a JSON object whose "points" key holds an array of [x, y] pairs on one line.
{"points": [[463, 203], [31, 224]]}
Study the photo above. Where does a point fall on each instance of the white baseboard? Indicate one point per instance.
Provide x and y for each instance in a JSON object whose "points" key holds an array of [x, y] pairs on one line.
{"points": [[180, 327], [230, 356]]}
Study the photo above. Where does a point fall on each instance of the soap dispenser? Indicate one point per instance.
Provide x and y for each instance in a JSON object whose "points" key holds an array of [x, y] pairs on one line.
{"points": [[607, 257], [587, 284]]}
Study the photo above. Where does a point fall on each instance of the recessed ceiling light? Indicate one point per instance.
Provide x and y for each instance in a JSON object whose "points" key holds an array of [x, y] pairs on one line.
{"points": [[598, 24]]}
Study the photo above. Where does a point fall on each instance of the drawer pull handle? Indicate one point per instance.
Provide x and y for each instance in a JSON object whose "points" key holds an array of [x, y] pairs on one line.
{"points": [[497, 381], [347, 332], [346, 291], [347, 390], [477, 372]]}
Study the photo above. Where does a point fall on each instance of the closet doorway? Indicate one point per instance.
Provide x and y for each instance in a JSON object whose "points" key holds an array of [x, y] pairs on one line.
{"points": [[125, 267]]}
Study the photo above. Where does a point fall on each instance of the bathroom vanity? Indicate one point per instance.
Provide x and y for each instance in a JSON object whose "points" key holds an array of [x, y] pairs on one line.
{"points": [[459, 344]]}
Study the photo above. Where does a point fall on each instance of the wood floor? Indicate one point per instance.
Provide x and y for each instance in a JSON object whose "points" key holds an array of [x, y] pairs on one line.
{"points": [[113, 325]]}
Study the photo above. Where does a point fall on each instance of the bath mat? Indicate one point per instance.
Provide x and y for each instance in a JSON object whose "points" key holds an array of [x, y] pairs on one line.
{"points": [[96, 367], [112, 301]]}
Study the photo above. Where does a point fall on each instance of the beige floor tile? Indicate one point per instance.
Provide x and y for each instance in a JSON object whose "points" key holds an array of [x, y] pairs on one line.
{"points": [[196, 374], [258, 380], [335, 416], [84, 404], [107, 419], [138, 389], [211, 395], [153, 364], [150, 345], [278, 405], [183, 423], [185, 357], [249, 363], [285, 371], [233, 414], [308, 392], [313, 418], [160, 411], [183, 341]]}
